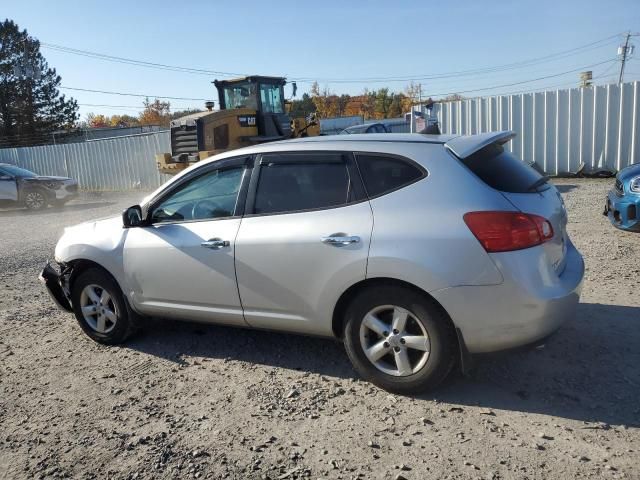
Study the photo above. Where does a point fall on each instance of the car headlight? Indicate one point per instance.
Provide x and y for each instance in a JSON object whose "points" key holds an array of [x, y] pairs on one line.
{"points": [[54, 184], [634, 184]]}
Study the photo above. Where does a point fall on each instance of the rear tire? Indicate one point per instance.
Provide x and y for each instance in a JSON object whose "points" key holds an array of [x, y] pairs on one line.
{"points": [[35, 199], [100, 307], [414, 357]]}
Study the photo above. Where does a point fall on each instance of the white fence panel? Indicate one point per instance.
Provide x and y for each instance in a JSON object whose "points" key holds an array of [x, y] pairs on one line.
{"points": [[120, 163], [558, 129]]}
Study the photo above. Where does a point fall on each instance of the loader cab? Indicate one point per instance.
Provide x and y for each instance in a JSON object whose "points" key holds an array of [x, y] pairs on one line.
{"points": [[265, 95]]}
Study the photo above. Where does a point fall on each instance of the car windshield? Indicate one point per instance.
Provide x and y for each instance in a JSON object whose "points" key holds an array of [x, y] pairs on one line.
{"points": [[241, 95], [17, 171], [356, 129]]}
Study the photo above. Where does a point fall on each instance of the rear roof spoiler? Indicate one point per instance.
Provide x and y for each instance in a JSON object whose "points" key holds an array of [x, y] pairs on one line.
{"points": [[467, 145]]}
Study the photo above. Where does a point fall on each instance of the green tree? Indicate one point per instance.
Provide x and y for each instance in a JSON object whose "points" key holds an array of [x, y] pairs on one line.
{"points": [[396, 108], [31, 107], [302, 107], [383, 102]]}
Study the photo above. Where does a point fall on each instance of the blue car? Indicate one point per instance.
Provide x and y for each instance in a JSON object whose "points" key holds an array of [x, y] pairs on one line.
{"points": [[623, 200]]}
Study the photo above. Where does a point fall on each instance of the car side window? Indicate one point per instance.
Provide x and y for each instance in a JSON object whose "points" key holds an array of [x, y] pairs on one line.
{"points": [[382, 173], [211, 195], [294, 182]]}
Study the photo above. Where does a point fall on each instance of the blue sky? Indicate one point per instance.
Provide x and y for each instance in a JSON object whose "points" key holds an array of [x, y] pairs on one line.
{"points": [[328, 41]]}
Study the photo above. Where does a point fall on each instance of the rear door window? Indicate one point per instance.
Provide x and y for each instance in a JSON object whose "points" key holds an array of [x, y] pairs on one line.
{"points": [[295, 182], [383, 173], [501, 170]]}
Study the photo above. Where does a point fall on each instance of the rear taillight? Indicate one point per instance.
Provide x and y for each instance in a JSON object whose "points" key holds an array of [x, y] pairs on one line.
{"points": [[506, 231]]}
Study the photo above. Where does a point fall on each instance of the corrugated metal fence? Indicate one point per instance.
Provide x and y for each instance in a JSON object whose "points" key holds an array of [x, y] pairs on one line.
{"points": [[559, 129], [122, 163]]}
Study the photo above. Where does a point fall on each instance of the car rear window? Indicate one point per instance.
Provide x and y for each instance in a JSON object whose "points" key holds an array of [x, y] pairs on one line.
{"points": [[501, 170], [382, 173]]}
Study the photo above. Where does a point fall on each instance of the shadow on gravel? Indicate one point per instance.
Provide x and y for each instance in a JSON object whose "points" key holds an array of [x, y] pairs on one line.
{"points": [[171, 340], [566, 188], [587, 371], [53, 210]]}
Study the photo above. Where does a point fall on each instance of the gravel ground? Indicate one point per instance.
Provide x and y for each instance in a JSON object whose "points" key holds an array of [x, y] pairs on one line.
{"points": [[194, 401]]}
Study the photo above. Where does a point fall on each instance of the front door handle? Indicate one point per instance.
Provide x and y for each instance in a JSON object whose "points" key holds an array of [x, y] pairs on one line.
{"points": [[340, 241], [215, 244]]}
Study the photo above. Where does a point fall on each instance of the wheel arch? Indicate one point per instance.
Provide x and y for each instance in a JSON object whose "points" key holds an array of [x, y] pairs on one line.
{"points": [[24, 189], [80, 265], [337, 320]]}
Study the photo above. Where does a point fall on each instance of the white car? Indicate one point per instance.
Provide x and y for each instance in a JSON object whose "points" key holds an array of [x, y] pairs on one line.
{"points": [[415, 250]]}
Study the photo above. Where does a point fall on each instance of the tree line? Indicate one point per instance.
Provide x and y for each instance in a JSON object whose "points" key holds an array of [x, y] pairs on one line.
{"points": [[154, 112]]}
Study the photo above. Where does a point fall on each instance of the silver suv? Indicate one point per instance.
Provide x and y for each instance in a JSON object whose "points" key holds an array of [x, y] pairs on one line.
{"points": [[415, 250]]}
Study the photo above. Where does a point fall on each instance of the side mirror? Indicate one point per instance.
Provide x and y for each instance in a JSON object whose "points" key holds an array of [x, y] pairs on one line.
{"points": [[132, 217]]}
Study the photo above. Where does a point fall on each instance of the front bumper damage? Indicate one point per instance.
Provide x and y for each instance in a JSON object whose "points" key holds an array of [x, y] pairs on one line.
{"points": [[623, 211], [57, 284]]}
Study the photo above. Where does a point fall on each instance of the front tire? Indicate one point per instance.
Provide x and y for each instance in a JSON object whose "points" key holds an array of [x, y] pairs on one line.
{"points": [[399, 339], [35, 200], [100, 307]]}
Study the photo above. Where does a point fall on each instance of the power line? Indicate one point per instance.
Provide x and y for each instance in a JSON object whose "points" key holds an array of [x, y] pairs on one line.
{"points": [[499, 68], [201, 71], [523, 81], [141, 63], [140, 107], [449, 93], [126, 94]]}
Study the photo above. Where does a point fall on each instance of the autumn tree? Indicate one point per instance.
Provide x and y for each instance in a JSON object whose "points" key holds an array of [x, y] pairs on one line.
{"points": [[123, 121], [31, 107], [155, 113], [97, 121]]}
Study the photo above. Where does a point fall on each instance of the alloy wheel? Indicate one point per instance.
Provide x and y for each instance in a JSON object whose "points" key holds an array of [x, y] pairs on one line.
{"points": [[34, 200], [98, 308], [394, 340]]}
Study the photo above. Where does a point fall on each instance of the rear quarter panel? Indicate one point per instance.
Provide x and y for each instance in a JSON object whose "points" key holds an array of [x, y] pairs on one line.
{"points": [[419, 235]]}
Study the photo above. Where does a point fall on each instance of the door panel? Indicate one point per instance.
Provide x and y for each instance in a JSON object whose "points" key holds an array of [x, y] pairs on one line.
{"points": [[8, 188], [288, 278], [169, 272]]}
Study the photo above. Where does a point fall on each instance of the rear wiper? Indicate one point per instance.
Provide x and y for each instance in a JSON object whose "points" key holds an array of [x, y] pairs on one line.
{"points": [[538, 183]]}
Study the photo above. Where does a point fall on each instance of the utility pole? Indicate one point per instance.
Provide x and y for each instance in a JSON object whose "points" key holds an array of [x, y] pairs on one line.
{"points": [[624, 51]]}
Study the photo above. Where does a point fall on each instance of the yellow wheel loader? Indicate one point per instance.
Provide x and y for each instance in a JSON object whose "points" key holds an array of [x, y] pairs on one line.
{"points": [[252, 110]]}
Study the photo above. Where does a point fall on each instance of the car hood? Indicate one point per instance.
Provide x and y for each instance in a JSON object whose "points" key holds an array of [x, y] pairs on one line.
{"points": [[44, 179], [629, 172], [101, 225]]}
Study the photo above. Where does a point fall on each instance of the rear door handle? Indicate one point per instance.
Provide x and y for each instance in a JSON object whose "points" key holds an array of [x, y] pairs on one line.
{"points": [[215, 244], [340, 241]]}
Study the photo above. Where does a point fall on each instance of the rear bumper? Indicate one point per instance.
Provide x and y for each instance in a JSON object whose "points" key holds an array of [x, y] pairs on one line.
{"points": [[623, 211], [526, 308], [53, 283]]}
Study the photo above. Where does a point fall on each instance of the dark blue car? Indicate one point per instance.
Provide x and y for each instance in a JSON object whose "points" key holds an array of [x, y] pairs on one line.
{"points": [[623, 200]]}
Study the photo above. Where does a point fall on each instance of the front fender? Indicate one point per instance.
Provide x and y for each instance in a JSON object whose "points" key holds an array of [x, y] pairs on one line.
{"points": [[101, 242]]}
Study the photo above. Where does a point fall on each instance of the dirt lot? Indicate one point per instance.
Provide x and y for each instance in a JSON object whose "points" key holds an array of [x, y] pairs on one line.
{"points": [[193, 401]]}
